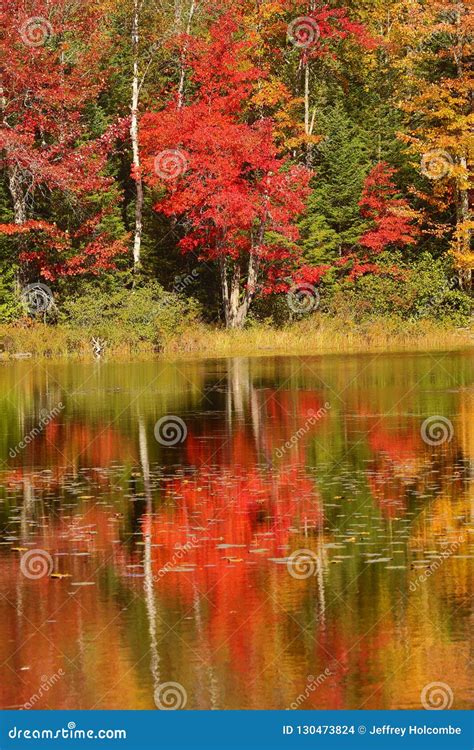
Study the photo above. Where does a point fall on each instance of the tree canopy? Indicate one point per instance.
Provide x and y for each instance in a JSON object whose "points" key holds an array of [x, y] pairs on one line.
{"points": [[277, 144]]}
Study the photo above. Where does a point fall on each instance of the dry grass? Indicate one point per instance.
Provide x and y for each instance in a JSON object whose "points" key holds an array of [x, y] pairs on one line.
{"points": [[328, 336], [322, 335], [58, 342]]}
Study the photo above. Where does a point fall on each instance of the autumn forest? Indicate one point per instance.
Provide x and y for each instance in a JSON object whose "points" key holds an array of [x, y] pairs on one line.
{"points": [[236, 357], [267, 163]]}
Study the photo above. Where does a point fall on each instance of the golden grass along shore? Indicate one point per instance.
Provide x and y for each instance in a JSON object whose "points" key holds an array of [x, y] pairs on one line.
{"points": [[321, 336]]}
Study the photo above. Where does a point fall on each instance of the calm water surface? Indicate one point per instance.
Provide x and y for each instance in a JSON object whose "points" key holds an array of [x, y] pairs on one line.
{"points": [[305, 543]]}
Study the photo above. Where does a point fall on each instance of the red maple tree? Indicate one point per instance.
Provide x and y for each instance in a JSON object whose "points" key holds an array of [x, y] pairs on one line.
{"points": [[220, 168], [391, 215], [52, 73], [392, 224]]}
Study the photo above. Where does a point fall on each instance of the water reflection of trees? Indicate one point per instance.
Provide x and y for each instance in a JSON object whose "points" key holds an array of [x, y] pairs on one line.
{"points": [[115, 509]]}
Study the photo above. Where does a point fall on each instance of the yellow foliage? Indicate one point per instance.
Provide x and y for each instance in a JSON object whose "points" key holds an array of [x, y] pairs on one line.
{"points": [[269, 9], [271, 93], [461, 249]]}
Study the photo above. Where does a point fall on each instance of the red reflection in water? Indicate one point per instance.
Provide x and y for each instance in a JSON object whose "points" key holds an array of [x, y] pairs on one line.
{"points": [[210, 543]]}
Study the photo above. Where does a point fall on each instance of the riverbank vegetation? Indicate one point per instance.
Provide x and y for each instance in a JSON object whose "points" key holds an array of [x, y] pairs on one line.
{"points": [[328, 337], [296, 173]]}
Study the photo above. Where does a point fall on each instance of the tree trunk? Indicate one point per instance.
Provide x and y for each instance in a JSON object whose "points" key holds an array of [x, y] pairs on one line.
{"points": [[17, 193], [309, 117], [306, 97], [137, 83], [15, 182], [16, 188], [463, 231], [463, 213], [230, 288], [137, 240], [182, 74], [148, 580], [235, 302]]}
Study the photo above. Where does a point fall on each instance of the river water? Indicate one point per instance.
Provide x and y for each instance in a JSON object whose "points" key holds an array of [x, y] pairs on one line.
{"points": [[290, 532]]}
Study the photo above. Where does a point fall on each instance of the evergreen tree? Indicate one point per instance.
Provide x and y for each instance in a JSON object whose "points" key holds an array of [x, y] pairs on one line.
{"points": [[333, 220]]}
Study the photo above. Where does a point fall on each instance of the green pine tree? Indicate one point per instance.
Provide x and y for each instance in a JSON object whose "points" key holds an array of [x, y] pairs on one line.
{"points": [[333, 219]]}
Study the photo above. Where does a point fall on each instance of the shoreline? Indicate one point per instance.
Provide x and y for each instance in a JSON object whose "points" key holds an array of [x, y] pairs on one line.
{"points": [[307, 338]]}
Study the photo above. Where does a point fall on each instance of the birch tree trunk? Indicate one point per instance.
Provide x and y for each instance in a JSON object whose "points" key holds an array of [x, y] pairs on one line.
{"points": [[463, 216], [14, 174], [463, 213], [237, 301], [182, 74], [15, 186], [137, 240]]}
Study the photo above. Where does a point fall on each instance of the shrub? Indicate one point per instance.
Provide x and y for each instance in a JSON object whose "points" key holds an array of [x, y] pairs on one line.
{"points": [[145, 313], [10, 304], [425, 290]]}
